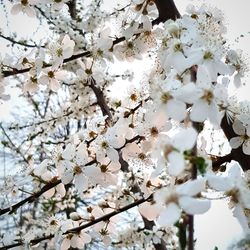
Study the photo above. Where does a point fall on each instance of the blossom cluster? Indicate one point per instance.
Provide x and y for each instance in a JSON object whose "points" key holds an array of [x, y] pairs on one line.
{"points": [[105, 152]]}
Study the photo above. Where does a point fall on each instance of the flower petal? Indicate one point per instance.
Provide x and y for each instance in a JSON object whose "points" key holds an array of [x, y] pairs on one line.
{"points": [[169, 215], [176, 163], [194, 206], [246, 147], [192, 188], [235, 142]]}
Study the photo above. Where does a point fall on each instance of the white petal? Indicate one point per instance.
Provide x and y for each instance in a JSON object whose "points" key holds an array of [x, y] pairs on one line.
{"points": [[67, 177], [185, 139], [240, 215], [192, 187], [238, 127], [176, 163], [169, 215], [203, 76], [69, 152], [194, 206], [219, 183], [235, 142], [113, 154], [246, 147], [81, 182], [199, 111], [176, 109]]}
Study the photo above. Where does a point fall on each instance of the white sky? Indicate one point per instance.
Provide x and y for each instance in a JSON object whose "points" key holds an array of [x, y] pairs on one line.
{"points": [[217, 227]]}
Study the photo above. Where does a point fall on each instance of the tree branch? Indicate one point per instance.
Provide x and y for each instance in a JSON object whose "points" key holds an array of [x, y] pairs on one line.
{"points": [[31, 198], [20, 43], [89, 224], [100, 99]]}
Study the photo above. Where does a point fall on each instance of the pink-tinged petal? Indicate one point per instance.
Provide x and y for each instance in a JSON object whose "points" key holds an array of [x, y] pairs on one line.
{"points": [[150, 211], [76, 242], [194, 206], [235, 142], [60, 189], [81, 183], [192, 188], [176, 110], [43, 80], [48, 194], [110, 179], [85, 237], [176, 163], [30, 12], [238, 127], [169, 215], [246, 147], [54, 85], [65, 244], [16, 8], [61, 75]]}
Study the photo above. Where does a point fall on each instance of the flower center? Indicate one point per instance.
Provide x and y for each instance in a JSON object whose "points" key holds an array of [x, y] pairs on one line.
{"points": [[77, 170], [165, 97], [51, 74], [208, 96], [104, 168]]}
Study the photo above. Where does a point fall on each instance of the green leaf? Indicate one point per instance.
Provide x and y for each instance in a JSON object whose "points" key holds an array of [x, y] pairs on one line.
{"points": [[200, 164]]}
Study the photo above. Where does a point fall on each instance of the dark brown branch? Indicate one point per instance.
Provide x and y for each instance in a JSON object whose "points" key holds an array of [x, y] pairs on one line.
{"points": [[19, 42], [221, 160], [100, 99], [106, 217], [167, 10], [31, 198]]}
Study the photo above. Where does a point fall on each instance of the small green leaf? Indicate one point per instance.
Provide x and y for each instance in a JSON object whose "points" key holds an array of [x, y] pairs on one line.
{"points": [[200, 164]]}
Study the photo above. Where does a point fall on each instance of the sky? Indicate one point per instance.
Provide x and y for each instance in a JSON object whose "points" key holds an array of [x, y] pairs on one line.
{"points": [[217, 227]]}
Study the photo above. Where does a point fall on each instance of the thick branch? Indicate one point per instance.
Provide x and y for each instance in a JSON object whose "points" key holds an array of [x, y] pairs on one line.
{"points": [[106, 217], [31, 198], [100, 99], [221, 160], [19, 43], [167, 10]]}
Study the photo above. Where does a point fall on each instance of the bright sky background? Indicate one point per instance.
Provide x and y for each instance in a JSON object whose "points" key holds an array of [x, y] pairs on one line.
{"points": [[217, 227]]}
